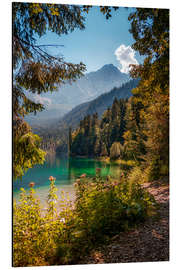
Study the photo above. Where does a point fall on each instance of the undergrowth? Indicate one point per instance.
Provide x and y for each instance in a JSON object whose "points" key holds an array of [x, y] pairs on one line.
{"points": [[64, 232]]}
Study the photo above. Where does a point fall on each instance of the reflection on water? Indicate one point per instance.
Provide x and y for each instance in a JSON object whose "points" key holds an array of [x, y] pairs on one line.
{"points": [[65, 170]]}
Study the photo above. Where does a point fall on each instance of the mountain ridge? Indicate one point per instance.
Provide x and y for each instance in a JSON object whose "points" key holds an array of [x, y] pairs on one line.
{"points": [[57, 131], [98, 105], [85, 89]]}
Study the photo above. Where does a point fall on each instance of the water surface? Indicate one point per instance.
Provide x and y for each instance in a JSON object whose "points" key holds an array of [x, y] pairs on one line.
{"points": [[65, 170]]}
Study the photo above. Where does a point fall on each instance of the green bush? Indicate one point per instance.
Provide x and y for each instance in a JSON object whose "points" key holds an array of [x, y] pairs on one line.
{"points": [[36, 231], [107, 207], [62, 233]]}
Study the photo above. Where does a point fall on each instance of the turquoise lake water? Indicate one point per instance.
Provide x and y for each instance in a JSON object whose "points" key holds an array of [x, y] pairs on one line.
{"points": [[65, 170]]}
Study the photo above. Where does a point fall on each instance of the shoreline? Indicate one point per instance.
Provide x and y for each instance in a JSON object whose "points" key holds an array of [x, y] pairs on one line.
{"points": [[42, 193]]}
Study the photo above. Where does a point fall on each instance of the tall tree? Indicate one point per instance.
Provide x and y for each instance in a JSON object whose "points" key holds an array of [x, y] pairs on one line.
{"points": [[36, 71], [150, 29], [69, 141], [95, 137]]}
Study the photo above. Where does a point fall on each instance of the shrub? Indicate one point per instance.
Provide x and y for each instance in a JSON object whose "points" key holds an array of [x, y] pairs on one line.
{"points": [[36, 231], [136, 175], [61, 234], [27, 230], [105, 208]]}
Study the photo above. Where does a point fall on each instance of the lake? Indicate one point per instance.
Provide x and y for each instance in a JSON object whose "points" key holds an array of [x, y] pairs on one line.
{"points": [[65, 170]]}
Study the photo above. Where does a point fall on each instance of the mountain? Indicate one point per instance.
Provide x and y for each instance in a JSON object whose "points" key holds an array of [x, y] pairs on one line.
{"points": [[55, 134], [85, 89], [90, 86], [99, 105]]}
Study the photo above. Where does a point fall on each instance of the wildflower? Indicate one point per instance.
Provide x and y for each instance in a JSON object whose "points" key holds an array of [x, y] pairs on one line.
{"points": [[98, 170], [62, 220], [31, 184], [51, 178], [115, 183]]}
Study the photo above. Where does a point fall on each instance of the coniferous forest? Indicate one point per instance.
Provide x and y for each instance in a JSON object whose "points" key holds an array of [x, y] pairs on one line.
{"points": [[103, 218], [94, 137], [121, 135]]}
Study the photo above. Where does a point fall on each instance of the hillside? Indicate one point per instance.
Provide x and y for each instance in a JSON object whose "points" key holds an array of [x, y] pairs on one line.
{"points": [[85, 89], [55, 135], [91, 85], [98, 105]]}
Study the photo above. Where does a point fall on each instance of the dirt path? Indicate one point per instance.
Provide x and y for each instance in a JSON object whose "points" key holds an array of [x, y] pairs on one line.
{"points": [[149, 242]]}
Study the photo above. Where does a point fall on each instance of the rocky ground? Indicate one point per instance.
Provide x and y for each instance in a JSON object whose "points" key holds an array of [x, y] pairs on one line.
{"points": [[147, 243]]}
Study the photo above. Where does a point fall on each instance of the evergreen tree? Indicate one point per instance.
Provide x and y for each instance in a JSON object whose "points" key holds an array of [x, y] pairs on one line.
{"points": [[35, 71], [104, 152], [133, 137], [98, 136], [115, 110], [122, 126], [97, 146], [93, 133], [69, 141], [150, 29], [115, 122], [106, 128], [142, 123]]}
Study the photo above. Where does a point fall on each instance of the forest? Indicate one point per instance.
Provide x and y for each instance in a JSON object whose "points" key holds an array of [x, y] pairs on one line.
{"points": [[122, 134], [95, 137], [55, 135], [133, 131]]}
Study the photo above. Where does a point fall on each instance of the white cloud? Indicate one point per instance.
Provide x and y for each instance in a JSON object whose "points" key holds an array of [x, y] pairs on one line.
{"points": [[43, 100], [125, 56]]}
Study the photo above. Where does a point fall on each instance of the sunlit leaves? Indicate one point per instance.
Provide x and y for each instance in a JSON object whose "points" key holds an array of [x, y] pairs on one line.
{"points": [[56, 233], [36, 8], [37, 231], [38, 77], [106, 207], [150, 28], [36, 71], [26, 149]]}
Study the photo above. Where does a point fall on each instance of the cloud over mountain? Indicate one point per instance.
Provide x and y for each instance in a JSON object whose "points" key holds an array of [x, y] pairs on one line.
{"points": [[126, 56]]}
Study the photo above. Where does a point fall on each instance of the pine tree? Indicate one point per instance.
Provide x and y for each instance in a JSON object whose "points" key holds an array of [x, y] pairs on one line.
{"points": [[36, 71], [104, 152], [150, 29], [97, 146], [69, 141]]}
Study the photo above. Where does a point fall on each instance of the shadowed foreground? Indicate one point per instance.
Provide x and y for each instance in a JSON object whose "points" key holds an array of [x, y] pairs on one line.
{"points": [[149, 242]]}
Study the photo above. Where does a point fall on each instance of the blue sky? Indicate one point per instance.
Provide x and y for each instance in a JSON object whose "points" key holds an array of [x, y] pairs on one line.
{"points": [[96, 45]]}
